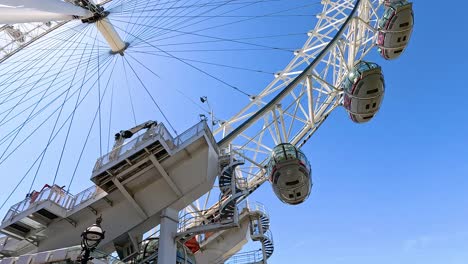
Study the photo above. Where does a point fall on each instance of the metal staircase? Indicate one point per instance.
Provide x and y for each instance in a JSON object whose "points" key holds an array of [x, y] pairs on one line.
{"points": [[263, 234], [259, 231], [225, 214]]}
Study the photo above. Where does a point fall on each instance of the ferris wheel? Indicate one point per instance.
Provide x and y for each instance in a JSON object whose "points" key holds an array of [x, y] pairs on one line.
{"points": [[74, 72]]}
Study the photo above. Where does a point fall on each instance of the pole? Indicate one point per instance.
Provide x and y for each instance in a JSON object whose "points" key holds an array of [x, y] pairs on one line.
{"points": [[85, 258], [167, 252]]}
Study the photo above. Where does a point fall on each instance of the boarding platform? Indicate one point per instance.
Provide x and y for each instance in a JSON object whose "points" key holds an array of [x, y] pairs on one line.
{"points": [[133, 184]]}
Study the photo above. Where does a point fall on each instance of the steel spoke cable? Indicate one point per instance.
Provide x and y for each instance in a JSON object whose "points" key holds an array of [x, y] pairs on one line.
{"points": [[228, 16], [237, 21], [12, 62], [99, 96], [43, 108], [178, 90], [160, 19], [204, 72], [31, 112], [77, 103], [195, 6], [205, 62], [71, 120], [48, 105], [41, 124], [50, 52], [32, 105], [214, 41], [129, 93], [180, 24], [110, 118], [52, 132], [46, 81], [151, 96], [219, 38], [157, 14], [85, 143], [30, 168], [137, 20], [28, 77]]}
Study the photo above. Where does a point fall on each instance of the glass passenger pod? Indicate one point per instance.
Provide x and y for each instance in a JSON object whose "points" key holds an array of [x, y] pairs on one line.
{"points": [[290, 174], [364, 89], [395, 28]]}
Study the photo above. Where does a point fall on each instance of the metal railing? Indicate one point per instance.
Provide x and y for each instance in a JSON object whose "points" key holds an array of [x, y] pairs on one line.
{"points": [[252, 207], [195, 131], [250, 257], [159, 131], [53, 194], [109, 259], [196, 219], [68, 201], [246, 257]]}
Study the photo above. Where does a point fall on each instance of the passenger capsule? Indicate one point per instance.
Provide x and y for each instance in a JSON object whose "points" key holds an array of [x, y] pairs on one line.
{"points": [[364, 88], [395, 28], [290, 174]]}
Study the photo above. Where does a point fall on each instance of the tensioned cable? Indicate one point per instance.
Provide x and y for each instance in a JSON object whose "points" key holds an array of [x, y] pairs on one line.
{"points": [[178, 90], [160, 21], [181, 23], [53, 129], [110, 118], [30, 76], [202, 71], [234, 22], [86, 141], [205, 62], [71, 122], [41, 124], [32, 166], [151, 96], [32, 111], [129, 93], [43, 108]]}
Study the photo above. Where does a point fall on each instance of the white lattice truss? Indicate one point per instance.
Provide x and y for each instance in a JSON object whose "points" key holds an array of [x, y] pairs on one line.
{"points": [[294, 105]]}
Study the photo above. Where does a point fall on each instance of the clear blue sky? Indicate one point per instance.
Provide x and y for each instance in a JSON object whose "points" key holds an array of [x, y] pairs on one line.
{"points": [[390, 191]]}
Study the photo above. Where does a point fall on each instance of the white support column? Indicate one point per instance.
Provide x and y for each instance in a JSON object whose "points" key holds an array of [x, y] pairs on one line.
{"points": [[167, 252]]}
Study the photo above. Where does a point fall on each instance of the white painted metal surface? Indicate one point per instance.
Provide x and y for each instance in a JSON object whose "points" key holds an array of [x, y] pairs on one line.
{"points": [[135, 204], [27, 11], [112, 37]]}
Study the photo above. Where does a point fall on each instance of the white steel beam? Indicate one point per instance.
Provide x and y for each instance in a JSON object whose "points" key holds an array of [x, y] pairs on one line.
{"points": [[26, 11], [166, 177], [129, 198]]}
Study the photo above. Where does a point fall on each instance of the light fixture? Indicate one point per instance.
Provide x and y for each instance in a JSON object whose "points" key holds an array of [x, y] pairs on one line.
{"points": [[90, 239]]}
